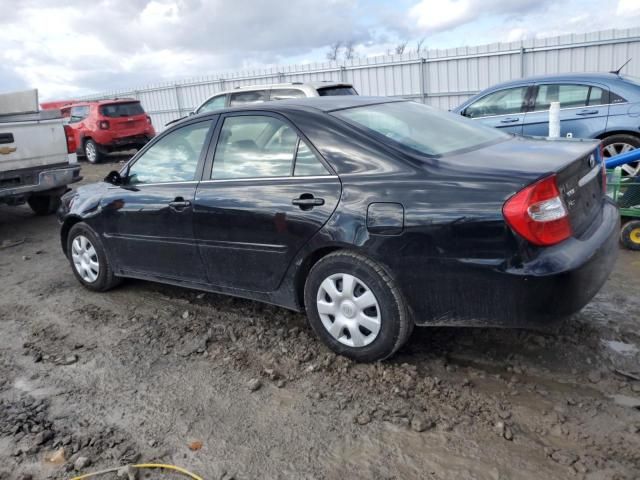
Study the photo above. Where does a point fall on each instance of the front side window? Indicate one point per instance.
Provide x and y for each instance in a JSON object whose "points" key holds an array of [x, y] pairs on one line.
{"points": [[213, 104], [173, 158], [243, 98], [502, 102], [421, 128]]}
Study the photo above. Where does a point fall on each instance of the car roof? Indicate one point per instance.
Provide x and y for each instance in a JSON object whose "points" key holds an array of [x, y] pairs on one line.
{"points": [[567, 77], [101, 102], [322, 104]]}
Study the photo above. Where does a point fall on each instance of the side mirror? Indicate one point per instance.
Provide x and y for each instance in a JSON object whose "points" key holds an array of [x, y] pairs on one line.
{"points": [[114, 178], [192, 113]]}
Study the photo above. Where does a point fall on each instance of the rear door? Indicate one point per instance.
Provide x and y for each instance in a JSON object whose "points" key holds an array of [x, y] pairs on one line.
{"points": [[268, 192], [583, 109], [502, 109]]}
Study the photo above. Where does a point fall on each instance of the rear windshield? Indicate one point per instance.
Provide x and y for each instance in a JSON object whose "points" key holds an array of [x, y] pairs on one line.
{"points": [[421, 128], [333, 91], [122, 109]]}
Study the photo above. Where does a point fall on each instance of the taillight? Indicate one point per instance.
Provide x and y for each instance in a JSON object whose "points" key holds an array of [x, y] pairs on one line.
{"points": [[104, 125], [538, 213], [71, 140], [148, 119]]}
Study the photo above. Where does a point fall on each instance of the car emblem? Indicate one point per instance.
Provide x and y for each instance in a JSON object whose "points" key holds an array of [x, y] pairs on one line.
{"points": [[7, 150], [592, 161]]}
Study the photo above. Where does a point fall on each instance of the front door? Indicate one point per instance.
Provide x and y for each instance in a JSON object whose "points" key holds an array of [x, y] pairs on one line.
{"points": [[149, 219], [583, 110], [502, 109], [269, 192]]}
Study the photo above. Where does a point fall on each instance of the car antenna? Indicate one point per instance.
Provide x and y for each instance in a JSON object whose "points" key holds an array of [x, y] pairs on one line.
{"points": [[617, 72]]}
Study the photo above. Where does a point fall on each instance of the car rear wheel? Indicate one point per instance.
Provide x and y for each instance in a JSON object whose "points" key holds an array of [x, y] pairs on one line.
{"points": [[630, 235], [92, 152], [355, 308], [88, 259], [44, 204], [617, 144]]}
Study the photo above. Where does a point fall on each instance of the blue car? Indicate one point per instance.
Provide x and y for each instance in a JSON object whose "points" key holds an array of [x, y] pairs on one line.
{"points": [[605, 106]]}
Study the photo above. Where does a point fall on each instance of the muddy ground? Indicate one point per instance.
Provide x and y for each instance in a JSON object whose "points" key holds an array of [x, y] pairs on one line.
{"points": [[146, 372]]}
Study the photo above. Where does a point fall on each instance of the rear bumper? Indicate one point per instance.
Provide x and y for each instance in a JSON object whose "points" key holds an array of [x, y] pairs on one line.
{"points": [[44, 180], [124, 143], [557, 283]]}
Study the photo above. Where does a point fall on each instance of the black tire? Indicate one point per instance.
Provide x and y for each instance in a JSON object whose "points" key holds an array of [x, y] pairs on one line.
{"points": [[91, 151], [630, 235], [44, 204], [105, 280], [395, 322]]}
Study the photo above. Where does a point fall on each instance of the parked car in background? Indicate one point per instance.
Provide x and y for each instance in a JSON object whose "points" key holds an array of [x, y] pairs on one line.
{"points": [[370, 214], [37, 154], [278, 91], [105, 126], [604, 106]]}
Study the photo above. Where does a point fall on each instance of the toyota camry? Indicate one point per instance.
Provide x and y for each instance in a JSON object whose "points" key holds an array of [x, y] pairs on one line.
{"points": [[371, 215]]}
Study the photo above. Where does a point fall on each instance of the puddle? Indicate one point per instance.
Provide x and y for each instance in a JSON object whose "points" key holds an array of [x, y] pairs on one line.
{"points": [[621, 348]]}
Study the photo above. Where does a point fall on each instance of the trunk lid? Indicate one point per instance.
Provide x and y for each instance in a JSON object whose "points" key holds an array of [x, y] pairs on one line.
{"points": [[523, 160], [126, 118]]}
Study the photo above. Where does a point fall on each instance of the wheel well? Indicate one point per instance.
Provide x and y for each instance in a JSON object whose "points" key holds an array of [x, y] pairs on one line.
{"points": [[64, 231], [604, 135], [305, 268]]}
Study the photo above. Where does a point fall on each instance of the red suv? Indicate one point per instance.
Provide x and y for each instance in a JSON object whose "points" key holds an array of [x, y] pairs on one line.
{"points": [[107, 126]]}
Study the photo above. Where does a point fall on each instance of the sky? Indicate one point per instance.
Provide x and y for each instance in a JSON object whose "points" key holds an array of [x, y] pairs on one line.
{"points": [[69, 48]]}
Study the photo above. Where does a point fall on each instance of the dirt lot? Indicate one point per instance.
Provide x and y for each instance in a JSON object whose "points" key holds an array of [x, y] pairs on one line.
{"points": [[143, 372]]}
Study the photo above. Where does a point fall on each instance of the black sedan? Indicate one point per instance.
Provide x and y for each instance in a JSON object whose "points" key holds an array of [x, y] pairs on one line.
{"points": [[371, 214]]}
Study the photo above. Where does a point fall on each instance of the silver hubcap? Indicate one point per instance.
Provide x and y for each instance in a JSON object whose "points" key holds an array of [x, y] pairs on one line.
{"points": [[348, 310], [90, 152], [85, 259], [629, 169]]}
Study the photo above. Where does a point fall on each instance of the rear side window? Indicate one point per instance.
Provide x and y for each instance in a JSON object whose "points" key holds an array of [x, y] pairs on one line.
{"points": [[254, 146], [336, 91], [502, 102], [242, 98], [285, 93], [569, 96], [122, 109]]}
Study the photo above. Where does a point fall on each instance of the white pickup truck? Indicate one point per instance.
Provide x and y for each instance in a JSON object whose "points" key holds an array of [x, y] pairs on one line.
{"points": [[37, 157]]}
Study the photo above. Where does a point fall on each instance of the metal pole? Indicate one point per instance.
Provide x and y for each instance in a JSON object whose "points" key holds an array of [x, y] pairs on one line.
{"points": [[423, 90]]}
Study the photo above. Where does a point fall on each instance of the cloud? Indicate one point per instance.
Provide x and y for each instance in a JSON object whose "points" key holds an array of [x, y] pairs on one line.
{"points": [[628, 7]]}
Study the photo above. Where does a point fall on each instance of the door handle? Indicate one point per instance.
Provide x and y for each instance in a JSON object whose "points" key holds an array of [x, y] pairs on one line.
{"points": [[307, 201], [510, 120], [179, 204], [587, 112]]}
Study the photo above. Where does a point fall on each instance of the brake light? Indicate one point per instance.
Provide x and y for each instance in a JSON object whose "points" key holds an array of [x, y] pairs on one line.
{"points": [[104, 125], [72, 146], [148, 119], [538, 213]]}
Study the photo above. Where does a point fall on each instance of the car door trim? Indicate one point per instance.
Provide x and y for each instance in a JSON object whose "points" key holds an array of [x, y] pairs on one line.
{"points": [[281, 178]]}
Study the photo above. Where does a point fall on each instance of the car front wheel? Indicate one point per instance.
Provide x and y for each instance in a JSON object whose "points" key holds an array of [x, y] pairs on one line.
{"points": [[355, 308], [88, 259]]}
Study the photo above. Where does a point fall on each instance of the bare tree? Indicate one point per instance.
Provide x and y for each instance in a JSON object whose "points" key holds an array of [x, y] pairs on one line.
{"points": [[349, 50], [419, 44], [334, 51], [400, 47]]}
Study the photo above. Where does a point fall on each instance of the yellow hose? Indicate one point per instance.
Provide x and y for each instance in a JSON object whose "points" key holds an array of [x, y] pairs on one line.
{"points": [[142, 465]]}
